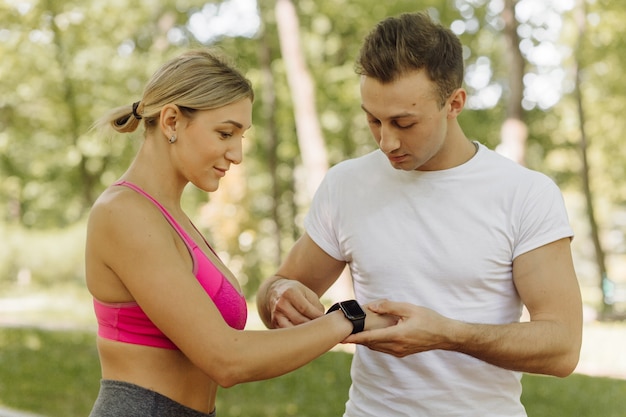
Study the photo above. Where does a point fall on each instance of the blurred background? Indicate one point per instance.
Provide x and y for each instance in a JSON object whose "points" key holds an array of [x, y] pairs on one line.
{"points": [[544, 79]]}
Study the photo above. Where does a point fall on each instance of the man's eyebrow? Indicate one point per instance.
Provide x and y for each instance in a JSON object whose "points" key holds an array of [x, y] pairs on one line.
{"points": [[396, 116]]}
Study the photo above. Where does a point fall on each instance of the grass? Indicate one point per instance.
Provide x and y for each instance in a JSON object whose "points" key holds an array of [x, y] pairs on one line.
{"points": [[56, 374], [574, 396]]}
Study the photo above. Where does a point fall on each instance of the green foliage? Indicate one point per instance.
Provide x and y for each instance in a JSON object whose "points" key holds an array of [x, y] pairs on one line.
{"points": [[66, 62], [56, 374], [603, 95], [60, 71], [42, 258]]}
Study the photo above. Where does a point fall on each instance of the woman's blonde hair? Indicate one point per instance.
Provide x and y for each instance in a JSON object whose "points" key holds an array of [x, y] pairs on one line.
{"points": [[195, 80]]}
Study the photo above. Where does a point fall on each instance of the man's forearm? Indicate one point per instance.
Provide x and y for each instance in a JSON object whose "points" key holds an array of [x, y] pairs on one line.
{"points": [[543, 347]]}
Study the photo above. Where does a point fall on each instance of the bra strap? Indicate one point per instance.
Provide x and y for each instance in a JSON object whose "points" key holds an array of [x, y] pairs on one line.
{"points": [[188, 240]]}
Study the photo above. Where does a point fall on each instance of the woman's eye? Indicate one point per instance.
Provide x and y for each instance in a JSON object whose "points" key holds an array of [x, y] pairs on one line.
{"points": [[226, 135]]}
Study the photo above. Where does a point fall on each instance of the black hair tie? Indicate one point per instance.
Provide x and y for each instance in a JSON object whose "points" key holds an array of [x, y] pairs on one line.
{"points": [[137, 115]]}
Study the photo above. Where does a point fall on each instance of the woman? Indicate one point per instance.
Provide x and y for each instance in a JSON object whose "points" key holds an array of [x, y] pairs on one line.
{"points": [[170, 314]]}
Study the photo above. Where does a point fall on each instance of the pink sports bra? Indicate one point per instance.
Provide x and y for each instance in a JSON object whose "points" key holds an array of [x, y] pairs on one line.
{"points": [[126, 322]]}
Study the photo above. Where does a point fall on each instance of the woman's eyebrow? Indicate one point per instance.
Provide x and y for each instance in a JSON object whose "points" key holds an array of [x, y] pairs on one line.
{"points": [[232, 122]]}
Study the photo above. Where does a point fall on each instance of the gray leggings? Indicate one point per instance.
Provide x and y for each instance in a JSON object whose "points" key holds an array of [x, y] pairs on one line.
{"points": [[118, 398]]}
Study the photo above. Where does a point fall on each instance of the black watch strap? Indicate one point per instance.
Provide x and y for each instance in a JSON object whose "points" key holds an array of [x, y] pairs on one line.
{"points": [[353, 312]]}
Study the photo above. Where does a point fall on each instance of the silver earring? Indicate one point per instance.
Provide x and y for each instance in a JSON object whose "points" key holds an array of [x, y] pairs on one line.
{"points": [[172, 139]]}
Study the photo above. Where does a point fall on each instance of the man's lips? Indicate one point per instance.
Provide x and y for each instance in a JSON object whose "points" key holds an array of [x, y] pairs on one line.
{"points": [[397, 158]]}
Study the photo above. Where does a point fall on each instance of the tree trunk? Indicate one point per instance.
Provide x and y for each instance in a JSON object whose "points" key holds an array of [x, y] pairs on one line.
{"points": [[268, 111], [310, 139], [514, 131], [593, 225], [309, 133]]}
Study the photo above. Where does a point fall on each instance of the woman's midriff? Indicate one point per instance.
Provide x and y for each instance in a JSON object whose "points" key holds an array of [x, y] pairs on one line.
{"points": [[165, 371]]}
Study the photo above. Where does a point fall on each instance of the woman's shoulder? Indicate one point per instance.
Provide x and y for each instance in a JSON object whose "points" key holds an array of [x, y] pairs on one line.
{"points": [[121, 210], [130, 236]]}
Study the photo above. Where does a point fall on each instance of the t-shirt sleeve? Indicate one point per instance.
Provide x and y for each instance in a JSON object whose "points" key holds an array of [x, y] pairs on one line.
{"points": [[543, 218], [319, 223]]}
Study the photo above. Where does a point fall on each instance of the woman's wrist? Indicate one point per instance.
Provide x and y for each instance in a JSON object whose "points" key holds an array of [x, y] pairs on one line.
{"points": [[353, 312]]}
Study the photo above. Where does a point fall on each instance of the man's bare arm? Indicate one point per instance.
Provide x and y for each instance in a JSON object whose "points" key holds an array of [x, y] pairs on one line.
{"points": [[548, 344]]}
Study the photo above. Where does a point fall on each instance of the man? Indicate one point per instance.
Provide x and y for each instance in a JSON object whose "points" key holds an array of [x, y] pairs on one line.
{"points": [[459, 237]]}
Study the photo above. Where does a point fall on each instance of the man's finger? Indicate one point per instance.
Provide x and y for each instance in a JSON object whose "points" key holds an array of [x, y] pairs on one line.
{"points": [[285, 310], [390, 307], [281, 322]]}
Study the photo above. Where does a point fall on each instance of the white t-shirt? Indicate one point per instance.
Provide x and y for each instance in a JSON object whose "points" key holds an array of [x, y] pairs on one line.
{"points": [[445, 240]]}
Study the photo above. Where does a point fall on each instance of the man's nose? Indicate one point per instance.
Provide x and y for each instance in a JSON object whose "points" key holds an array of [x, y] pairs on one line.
{"points": [[389, 140]]}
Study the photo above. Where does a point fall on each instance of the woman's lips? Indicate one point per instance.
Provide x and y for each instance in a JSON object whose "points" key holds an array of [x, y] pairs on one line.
{"points": [[220, 171]]}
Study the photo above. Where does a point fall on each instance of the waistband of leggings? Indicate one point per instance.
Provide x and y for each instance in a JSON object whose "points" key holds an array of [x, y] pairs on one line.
{"points": [[139, 390]]}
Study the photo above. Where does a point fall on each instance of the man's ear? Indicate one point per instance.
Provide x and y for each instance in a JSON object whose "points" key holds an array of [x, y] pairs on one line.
{"points": [[168, 119], [456, 103]]}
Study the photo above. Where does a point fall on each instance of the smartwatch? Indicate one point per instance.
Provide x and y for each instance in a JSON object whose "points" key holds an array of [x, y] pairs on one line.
{"points": [[353, 312]]}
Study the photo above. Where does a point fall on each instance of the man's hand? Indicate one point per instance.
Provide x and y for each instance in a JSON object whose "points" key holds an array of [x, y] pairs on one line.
{"points": [[417, 329], [291, 296], [375, 320], [292, 303]]}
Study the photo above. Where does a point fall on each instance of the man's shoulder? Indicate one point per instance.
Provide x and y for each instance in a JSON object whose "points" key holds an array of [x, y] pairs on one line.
{"points": [[502, 170], [503, 162], [370, 159]]}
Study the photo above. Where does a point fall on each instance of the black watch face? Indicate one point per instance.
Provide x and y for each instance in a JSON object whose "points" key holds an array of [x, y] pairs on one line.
{"points": [[353, 309]]}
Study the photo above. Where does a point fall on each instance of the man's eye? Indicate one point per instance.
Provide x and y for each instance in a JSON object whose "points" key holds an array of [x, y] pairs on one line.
{"points": [[373, 122]]}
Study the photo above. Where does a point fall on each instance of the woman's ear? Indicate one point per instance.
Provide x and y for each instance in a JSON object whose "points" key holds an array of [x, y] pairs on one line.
{"points": [[168, 119], [456, 102]]}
